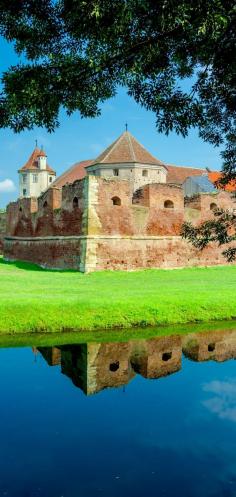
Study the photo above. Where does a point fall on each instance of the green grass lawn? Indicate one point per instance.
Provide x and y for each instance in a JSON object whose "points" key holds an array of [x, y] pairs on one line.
{"points": [[37, 300]]}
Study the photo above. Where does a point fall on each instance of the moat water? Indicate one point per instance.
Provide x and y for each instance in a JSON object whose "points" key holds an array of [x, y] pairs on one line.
{"points": [[153, 417]]}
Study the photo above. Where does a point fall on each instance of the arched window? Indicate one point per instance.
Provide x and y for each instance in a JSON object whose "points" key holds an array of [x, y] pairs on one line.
{"points": [[45, 204], [168, 204], [213, 206], [75, 202], [116, 201], [20, 209]]}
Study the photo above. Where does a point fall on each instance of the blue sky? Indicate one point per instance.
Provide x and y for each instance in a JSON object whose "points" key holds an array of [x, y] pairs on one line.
{"points": [[77, 139]]}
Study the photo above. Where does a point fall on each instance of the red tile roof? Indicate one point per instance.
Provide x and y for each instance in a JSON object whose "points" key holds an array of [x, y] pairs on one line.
{"points": [[75, 172], [32, 162], [178, 174], [126, 149], [215, 176]]}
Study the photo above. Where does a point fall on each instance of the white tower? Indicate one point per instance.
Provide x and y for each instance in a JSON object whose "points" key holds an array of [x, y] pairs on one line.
{"points": [[36, 175]]}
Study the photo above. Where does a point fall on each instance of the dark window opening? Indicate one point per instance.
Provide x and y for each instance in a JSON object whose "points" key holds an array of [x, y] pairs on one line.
{"points": [[211, 347], [114, 366], [213, 206], [20, 209], [45, 204], [116, 172], [168, 204], [24, 191], [116, 201], [50, 179], [145, 172], [166, 356], [75, 202]]}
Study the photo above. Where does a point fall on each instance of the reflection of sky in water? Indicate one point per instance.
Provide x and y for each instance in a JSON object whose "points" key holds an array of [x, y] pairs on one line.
{"points": [[173, 437], [223, 399]]}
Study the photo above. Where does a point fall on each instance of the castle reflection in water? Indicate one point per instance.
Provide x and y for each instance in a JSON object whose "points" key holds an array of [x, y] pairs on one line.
{"points": [[93, 367]]}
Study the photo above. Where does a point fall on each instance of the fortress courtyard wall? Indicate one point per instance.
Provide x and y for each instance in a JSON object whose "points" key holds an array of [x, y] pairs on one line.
{"points": [[98, 223]]}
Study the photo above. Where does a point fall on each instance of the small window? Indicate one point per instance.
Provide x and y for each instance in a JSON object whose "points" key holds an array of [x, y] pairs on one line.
{"points": [[50, 179], [24, 178], [116, 201], [145, 172], [35, 178], [168, 204], [75, 202], [45, 204], [114, 366], [24, 192], [166, 356], [116, 172], [213, 206], [20, 209], [211, 347]]}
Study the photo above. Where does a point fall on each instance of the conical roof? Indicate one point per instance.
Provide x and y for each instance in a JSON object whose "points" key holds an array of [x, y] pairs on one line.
{"points": [[126, 149], [32, 162]]}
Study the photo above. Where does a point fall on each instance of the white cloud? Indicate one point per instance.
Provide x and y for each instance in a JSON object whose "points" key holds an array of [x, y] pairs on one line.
{"points": [[223, 404], [7, 186]]}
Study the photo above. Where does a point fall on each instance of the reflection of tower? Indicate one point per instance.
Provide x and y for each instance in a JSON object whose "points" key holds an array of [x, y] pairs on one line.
{"points": [[51, 354], [157, 357], [95, 366], [35, 352], [216, 345]]}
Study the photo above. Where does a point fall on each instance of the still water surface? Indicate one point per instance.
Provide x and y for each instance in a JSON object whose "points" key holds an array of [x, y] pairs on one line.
{"points": [[152, 418]]}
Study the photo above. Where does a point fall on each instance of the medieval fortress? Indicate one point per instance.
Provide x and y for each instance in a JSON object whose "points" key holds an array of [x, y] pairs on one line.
{"points": [[123, 210]]}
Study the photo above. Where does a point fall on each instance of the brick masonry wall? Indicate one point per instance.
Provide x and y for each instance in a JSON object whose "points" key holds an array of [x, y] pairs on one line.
{"points": [[61, 253], [140, 232], [160, 252], [147, 215], [201, 207], [3, 219]]}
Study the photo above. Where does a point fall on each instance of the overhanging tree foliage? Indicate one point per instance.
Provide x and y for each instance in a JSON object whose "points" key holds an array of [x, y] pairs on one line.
{"points": [[221, 230], [175, 57]]}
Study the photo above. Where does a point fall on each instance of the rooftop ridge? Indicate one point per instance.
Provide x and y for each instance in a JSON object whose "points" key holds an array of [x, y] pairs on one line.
{"points": [[126, 149], [130, 145], [112, 146]]}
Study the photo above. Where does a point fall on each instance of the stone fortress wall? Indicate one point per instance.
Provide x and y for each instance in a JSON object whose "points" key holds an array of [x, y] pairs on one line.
{"points": [[3, 216], [92, 367], [100, 223]]}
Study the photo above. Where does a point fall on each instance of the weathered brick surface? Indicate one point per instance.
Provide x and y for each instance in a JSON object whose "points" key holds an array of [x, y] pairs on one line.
{"points": [[57, 254], [218, 346], [3, 218], [201, 207], [118, 229], [162, 252]]}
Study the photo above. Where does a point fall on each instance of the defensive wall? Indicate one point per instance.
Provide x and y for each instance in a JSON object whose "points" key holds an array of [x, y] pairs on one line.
{"points": [[99, 223], [2, 228], [93, 367]]}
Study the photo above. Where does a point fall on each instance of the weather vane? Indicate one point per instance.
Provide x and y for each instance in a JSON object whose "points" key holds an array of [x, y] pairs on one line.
{"points": [[126, 126], [36, 143]]}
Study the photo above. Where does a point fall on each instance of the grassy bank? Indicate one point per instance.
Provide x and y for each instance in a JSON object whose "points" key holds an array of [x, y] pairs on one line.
{"points": [[35, 300], [115, 335]]}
